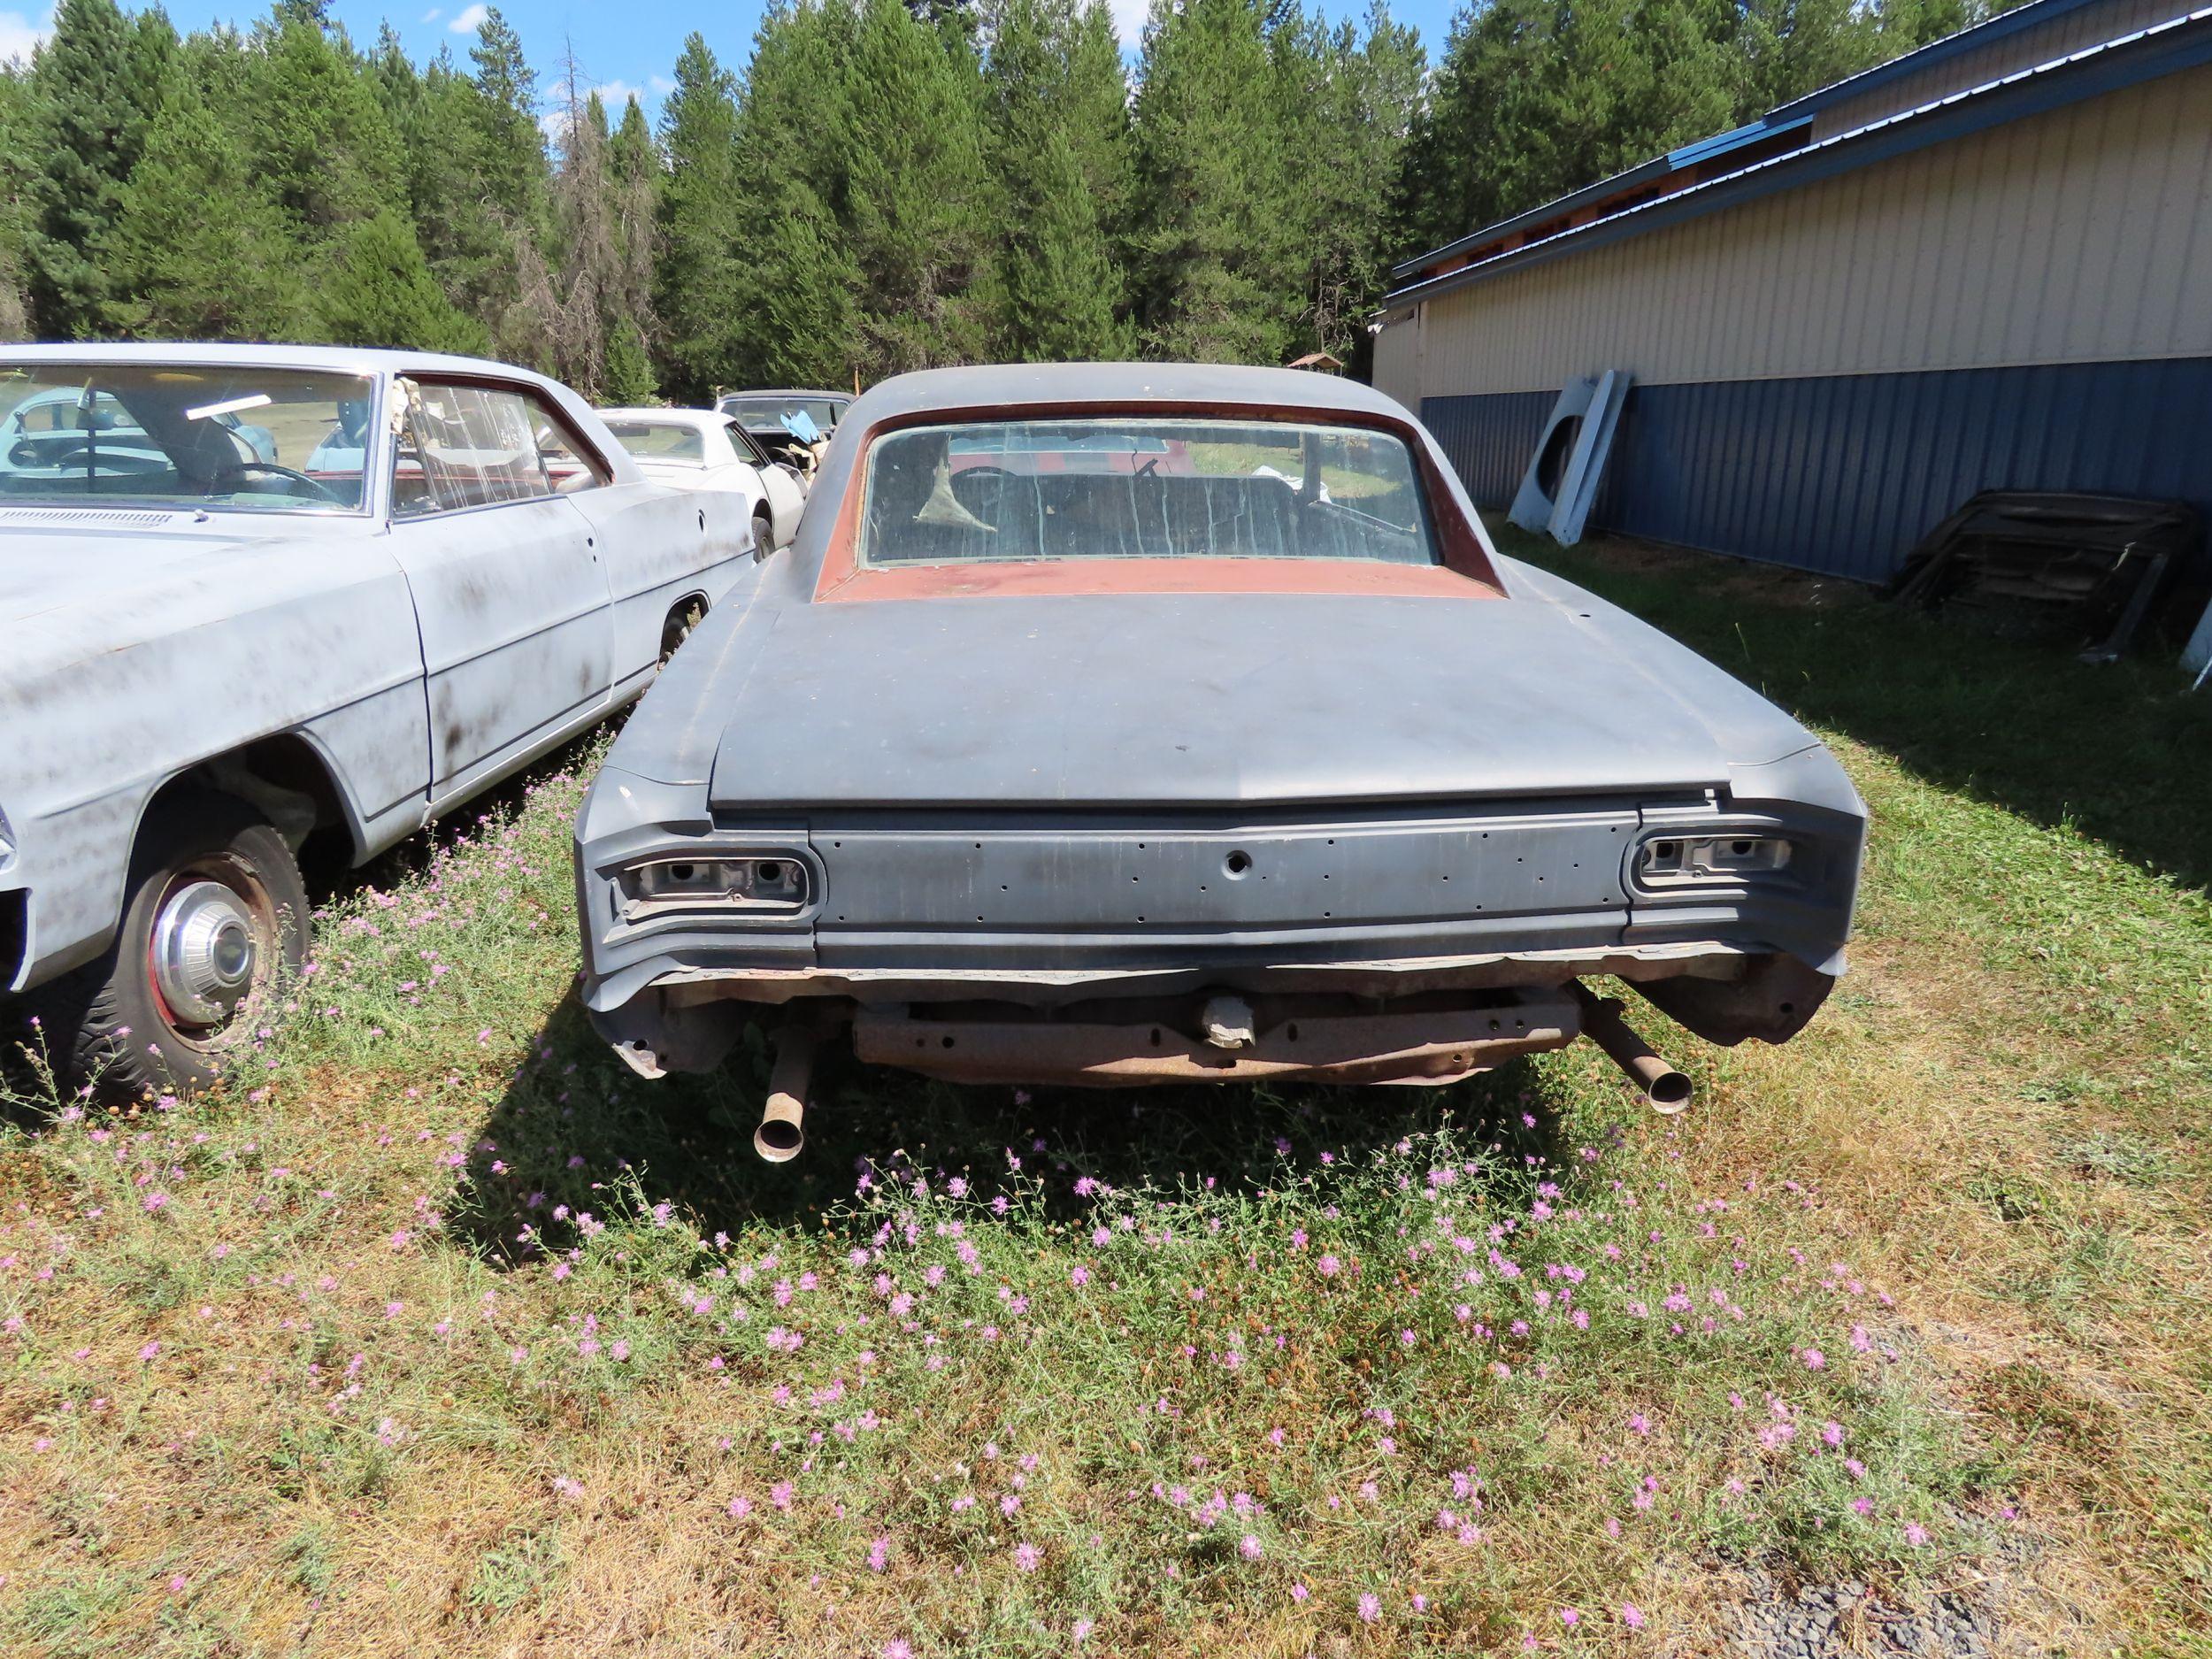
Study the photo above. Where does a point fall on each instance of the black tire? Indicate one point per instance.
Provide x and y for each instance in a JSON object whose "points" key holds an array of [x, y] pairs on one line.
{"points": [[764, 537], [109, 1024]]}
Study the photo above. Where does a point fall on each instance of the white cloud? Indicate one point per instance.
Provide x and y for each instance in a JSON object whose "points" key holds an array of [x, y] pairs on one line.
{"points": [[20, 37], [1129, 20], [432, 15], [660, 84], [468, 20]]}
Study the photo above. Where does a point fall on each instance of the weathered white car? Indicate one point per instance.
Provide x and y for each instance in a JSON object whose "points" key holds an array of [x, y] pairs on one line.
{"points": [[706, 449], [253, 598]]}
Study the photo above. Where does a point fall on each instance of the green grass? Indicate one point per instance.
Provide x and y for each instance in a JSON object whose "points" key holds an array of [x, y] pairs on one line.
{"points": [[443, 1332]]}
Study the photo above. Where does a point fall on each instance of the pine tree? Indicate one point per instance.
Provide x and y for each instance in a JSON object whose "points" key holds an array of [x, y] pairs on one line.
{"points": [[379, 292], [324, 145], [697, 281], [444, 131], [633, 179], [797, 318], [1057, 105], [1350, 100], [919, 211], [1217, 237], [1536, 98], [93, 93], [15, 310], [510, 149], [800, 284], [629, 374], [171, 277]]}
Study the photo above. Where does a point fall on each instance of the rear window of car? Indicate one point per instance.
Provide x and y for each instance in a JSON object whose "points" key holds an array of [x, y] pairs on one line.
{"points": [[1118, 488], [766, 414], [652, 441]]}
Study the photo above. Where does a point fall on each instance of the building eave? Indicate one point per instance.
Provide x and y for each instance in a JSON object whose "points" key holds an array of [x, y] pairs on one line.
{"points": [[2144, 55]]}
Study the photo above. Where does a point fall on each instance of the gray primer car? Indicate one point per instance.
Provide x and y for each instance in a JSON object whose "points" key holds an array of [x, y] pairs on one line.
{"points": [[406, 578], [1310, 782]]}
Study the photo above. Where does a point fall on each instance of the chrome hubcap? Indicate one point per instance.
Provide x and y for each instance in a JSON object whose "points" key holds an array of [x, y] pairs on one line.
{"points": [[204, 953]]}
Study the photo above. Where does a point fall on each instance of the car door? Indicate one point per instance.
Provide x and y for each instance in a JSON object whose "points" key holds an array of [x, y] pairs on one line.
{"points": [[508, 580], [785, 495], [665, 549]]}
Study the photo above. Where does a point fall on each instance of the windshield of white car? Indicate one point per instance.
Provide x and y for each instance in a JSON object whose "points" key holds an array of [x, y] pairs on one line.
{"points": [[1126, 488], [661, 440], [200, 436], [765, 414]]}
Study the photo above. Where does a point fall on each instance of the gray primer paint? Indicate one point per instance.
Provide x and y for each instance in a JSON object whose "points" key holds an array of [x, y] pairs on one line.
{"points": [[1034, 799]]}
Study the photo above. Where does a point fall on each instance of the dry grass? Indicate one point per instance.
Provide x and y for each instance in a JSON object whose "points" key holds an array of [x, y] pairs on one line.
{"points": [[381, 1417]]}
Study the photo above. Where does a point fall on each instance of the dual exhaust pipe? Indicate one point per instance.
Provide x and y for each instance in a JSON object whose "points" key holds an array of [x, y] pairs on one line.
{"points": [[781, 1135]]}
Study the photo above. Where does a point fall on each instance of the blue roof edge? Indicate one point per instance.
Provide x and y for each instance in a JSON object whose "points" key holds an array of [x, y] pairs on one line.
{"points": [[1967, 39], [1643, 173], [1782, 117]]}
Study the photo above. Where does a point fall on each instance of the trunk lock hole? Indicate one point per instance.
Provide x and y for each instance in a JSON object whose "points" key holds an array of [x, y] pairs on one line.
{"points": [[1236, 864]]}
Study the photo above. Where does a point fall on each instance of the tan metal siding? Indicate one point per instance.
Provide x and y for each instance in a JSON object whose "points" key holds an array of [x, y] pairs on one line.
{"points": [[2091, 26], [2080, 235], [1397, 361]]}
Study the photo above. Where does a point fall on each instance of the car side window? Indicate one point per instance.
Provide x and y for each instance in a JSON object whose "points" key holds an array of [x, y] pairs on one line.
{"points": [[570, 465], [464, 446], [748, 450]]}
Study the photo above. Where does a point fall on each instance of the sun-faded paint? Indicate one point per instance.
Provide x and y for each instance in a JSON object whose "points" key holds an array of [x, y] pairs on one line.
{"points": [[282, 655]]}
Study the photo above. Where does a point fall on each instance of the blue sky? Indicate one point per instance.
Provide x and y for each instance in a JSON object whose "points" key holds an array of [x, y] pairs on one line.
{"points": [[620, 45]]}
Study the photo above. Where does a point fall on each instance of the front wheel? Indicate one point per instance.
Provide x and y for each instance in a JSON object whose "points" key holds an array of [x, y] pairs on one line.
{"points": [[216, 921]]}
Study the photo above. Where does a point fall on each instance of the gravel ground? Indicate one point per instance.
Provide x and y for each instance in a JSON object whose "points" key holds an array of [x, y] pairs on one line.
{"points": [[1822, 1620]]}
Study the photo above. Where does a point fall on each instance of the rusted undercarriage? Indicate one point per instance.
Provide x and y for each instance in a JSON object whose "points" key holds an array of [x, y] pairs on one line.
{"points": [[1367, 1023], [1329, 1026], [1438, 1038], [1432, 1040]]}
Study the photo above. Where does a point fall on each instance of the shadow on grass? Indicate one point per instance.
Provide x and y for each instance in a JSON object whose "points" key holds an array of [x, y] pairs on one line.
{"points": [[574, 1124], [2122, 753]]}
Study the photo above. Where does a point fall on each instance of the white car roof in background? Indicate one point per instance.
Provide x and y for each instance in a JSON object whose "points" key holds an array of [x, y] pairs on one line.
{"points": [[704, 419]]}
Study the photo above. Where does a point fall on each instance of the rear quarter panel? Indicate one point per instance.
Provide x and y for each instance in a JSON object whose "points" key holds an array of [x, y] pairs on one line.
{"points": [[660, 543]]}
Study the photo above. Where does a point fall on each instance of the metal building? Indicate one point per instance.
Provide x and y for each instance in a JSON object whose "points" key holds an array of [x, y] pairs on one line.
{"points": [[1985, 265]]}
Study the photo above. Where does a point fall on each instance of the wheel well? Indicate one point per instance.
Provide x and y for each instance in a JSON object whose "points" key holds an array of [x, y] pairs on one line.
{"points": [[287, 779], [671, 626]]}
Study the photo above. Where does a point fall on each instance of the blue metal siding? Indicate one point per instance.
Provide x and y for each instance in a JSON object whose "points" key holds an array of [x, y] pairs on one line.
{"points": [[1842, 475], [1489, 439]]}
